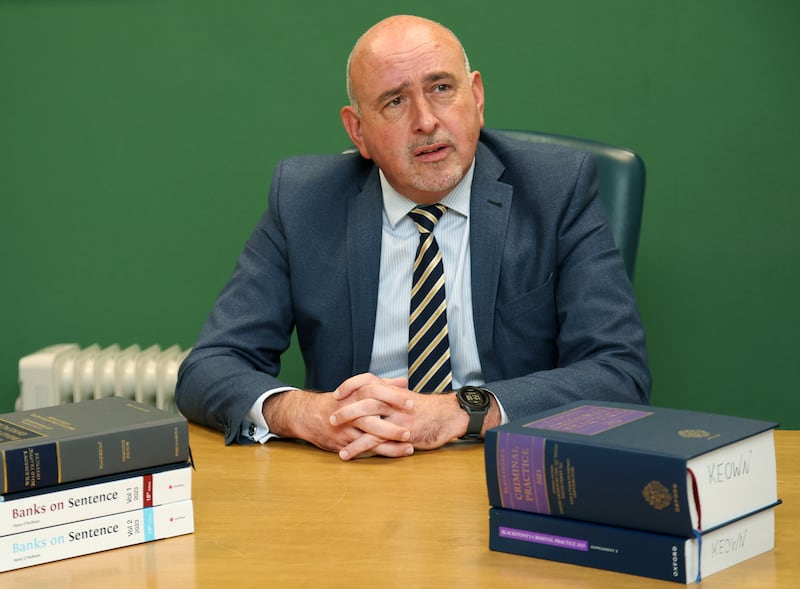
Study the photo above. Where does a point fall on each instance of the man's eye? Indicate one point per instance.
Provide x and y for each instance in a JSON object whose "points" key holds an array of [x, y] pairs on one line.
{"points": [[442, 87], [397, 101]]}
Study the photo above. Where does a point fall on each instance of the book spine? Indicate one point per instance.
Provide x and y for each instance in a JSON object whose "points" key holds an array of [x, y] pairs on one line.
{"points": [[95, 535], [626, 488], [624, 550], [75, 458], [94, 500], [611, 548]]}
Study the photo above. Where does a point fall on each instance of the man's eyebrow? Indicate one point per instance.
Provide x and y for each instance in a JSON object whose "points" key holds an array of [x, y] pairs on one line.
{"points": [[391, 92], [432, 77], [438, 76]]}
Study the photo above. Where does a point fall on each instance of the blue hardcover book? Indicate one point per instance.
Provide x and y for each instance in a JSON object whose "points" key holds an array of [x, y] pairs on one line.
{"points": [[623, 550], [651, 468]]}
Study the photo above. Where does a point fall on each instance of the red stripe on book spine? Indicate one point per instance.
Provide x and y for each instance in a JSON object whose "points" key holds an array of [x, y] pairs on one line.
{"points": [[147, 486]]}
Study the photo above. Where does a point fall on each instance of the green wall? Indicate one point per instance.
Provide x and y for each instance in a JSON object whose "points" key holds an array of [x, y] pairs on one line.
{"points": [[138, 137]]}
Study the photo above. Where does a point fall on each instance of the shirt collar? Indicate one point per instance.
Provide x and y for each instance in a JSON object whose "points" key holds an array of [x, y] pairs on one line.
{"points": [[396, 206]]}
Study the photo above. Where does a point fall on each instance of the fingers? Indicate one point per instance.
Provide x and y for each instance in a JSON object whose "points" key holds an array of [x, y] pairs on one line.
{"points": [[365, 408], [367, 400], [379, 400], [377, 437], [375, 398], [355, 383], [369, 445], [370, 422], [383, 429]]}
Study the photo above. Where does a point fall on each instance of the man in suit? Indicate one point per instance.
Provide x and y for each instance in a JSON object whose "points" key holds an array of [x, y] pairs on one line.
{"points": [[539, 311]]}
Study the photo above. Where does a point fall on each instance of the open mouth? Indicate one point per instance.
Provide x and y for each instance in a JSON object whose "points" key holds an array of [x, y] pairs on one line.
{"points": [[432, 151]]}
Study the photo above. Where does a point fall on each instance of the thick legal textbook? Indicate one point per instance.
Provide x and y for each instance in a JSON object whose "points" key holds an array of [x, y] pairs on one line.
{"points": [[647, 554], [76, 441], [651, 468], [73, 502], [96, 535]]}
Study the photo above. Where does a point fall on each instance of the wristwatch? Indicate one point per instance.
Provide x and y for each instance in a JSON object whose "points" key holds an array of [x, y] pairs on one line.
{"points": [[475, 401]]}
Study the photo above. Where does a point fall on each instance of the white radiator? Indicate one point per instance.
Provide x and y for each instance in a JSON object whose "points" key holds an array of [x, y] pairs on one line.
{"points": [[65, 373]]}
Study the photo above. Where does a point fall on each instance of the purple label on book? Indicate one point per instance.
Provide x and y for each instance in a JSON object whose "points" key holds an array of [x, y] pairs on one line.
{"points": [[521, 472], [589, 419], [540, 538]]}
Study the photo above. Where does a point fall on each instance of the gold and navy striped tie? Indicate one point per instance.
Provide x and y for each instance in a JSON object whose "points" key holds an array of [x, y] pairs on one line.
{"points": [[428, 344]]}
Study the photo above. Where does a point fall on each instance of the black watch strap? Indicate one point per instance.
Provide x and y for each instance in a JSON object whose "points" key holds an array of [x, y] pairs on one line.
{"points": [[475, 401]]}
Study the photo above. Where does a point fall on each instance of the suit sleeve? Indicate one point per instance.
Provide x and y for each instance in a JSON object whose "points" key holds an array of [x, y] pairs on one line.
{"points": [[237, 355], [583, 337]]}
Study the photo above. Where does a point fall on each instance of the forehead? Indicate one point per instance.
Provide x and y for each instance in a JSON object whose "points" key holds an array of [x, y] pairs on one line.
{"points": [[388, 60]]}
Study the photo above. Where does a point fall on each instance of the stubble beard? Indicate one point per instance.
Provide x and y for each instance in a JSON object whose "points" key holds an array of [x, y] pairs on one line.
{"points": [[440, 176], [435, 180]]}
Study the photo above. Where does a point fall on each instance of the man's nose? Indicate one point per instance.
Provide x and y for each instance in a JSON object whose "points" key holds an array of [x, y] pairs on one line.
{"points": [[425, 118]]}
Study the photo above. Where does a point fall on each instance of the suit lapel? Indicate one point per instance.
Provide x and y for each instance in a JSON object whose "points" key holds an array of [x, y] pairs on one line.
{"points": [[364, 218], [490, 208]]}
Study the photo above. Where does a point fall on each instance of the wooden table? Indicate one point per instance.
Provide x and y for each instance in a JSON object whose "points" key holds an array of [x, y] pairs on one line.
{"points": [[289, 515]]}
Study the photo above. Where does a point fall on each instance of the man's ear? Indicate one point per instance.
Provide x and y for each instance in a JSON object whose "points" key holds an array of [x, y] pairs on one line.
{"points": [[478, 93], [352, 124]]}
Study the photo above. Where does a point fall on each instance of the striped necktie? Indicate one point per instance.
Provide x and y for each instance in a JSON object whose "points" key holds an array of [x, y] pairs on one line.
{"points": [[428, 344]]}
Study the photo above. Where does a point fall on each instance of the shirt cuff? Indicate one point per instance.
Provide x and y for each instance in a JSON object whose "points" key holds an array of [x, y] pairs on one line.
{"points": [[254, 426], [503, 414]]}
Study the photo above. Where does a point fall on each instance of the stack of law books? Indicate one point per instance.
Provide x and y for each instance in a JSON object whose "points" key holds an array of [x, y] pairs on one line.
{"points": [[662, 493], [91, 476]]}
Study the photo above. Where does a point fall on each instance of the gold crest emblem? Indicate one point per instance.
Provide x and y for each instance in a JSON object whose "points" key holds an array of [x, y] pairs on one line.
{"points": [[657, 495], [693, 433]]}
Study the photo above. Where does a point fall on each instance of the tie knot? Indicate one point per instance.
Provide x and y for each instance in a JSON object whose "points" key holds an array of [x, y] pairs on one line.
{"points": [[425, 217]]}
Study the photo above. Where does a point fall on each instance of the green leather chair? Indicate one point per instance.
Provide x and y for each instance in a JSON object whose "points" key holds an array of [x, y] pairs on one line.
{"points": [[621, 176]]}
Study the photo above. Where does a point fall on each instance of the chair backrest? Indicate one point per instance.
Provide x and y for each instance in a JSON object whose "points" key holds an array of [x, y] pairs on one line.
{"points": [[621, 176]]}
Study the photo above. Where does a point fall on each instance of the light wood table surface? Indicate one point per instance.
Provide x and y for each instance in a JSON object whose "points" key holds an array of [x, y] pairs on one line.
{"points": [[289, 515]]}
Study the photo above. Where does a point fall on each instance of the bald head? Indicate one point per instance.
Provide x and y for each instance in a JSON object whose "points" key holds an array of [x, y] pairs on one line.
{"points": [[415, 108], [395, 28]]}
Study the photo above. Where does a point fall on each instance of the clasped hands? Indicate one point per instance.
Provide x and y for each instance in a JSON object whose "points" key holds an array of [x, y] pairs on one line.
{"points": [[366, 416]]}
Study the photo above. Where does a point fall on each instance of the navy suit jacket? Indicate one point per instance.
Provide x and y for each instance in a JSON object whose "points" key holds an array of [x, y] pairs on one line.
{"points": [[555, 315]]}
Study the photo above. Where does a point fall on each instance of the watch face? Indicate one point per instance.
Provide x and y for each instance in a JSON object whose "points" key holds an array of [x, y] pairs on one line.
{"points": [[475, 397]]}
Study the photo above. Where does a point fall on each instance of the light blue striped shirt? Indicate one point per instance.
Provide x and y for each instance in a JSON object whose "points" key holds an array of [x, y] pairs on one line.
{"points": [[399, 242]]}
